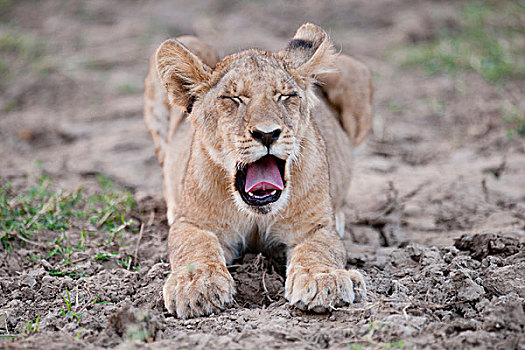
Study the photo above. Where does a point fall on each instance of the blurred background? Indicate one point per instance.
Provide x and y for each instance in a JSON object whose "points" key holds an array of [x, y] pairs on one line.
{"points": [[449, 102], [82, 217]]}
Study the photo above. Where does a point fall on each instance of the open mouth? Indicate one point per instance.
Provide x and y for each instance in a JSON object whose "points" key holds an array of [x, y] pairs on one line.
{"points": [[262, 181]]}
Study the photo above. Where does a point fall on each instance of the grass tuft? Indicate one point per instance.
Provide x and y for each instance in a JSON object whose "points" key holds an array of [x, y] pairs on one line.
{"points": [[19, 54], [31, 326], [25, 216], [514, 120], [489, 42]]}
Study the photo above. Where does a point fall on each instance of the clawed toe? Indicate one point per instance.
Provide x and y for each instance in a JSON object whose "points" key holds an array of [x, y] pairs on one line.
{"points": [[322, 291]]}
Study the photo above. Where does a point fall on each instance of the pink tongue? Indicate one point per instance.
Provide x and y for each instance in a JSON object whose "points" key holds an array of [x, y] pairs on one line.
{"points": [[263, 175]]}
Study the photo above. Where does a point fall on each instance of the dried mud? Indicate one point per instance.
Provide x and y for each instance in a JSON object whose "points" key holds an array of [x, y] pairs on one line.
{"points": [[435, 217]]}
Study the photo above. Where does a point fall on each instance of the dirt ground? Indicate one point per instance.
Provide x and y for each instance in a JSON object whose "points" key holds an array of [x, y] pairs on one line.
{"points": [[435, 217]]}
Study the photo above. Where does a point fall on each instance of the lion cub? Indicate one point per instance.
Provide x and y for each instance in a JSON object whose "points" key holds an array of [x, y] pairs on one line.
{"points": [[256, 150]]}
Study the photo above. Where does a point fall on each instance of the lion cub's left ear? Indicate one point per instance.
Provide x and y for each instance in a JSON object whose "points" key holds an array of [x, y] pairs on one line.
{"points": [[182, 72], [310, 52]]}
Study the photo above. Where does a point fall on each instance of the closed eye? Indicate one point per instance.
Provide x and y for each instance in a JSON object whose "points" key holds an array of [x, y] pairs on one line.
{"points": [[236, 99], [285, 97]]}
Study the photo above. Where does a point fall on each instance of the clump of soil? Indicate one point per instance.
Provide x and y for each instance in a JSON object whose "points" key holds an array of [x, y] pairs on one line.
{"points": [[257, 281], [454, 291], [489, 244]]}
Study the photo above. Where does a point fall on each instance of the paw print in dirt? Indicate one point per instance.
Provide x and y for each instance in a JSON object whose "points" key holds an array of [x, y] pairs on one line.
{"points": [[319, 290], [198, 290]]}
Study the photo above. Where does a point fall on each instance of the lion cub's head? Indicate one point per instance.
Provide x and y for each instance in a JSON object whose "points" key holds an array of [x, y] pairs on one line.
{"points": [[251, 110]]}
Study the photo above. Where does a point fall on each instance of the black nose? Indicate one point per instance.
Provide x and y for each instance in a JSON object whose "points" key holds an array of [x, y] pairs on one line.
{"points": [[266, 138]]}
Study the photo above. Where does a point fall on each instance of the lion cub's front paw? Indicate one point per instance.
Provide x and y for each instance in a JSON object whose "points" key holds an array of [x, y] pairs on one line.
{"points": [[198, 290], [319, 290]]}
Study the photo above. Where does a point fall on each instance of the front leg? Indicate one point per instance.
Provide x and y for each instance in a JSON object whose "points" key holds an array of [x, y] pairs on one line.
{"points": [[199, 283], [316, 277]]}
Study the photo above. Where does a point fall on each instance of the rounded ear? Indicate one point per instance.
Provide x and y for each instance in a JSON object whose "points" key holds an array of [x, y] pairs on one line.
{"points": [[310, 52], [183, 74]]}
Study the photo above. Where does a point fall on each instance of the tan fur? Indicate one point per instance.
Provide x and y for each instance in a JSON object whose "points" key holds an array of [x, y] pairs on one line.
{"points": [[199, 152]]}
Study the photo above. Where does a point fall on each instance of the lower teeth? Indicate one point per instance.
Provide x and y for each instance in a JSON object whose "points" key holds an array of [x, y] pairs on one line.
{"points": [[251, 194]]}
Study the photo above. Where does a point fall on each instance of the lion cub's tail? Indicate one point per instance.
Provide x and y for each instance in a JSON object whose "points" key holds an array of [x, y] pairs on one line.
{"points": [[162, 118]]}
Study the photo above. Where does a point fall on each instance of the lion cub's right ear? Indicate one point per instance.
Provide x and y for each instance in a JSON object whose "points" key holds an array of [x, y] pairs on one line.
{"points": [[183, 74]]}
